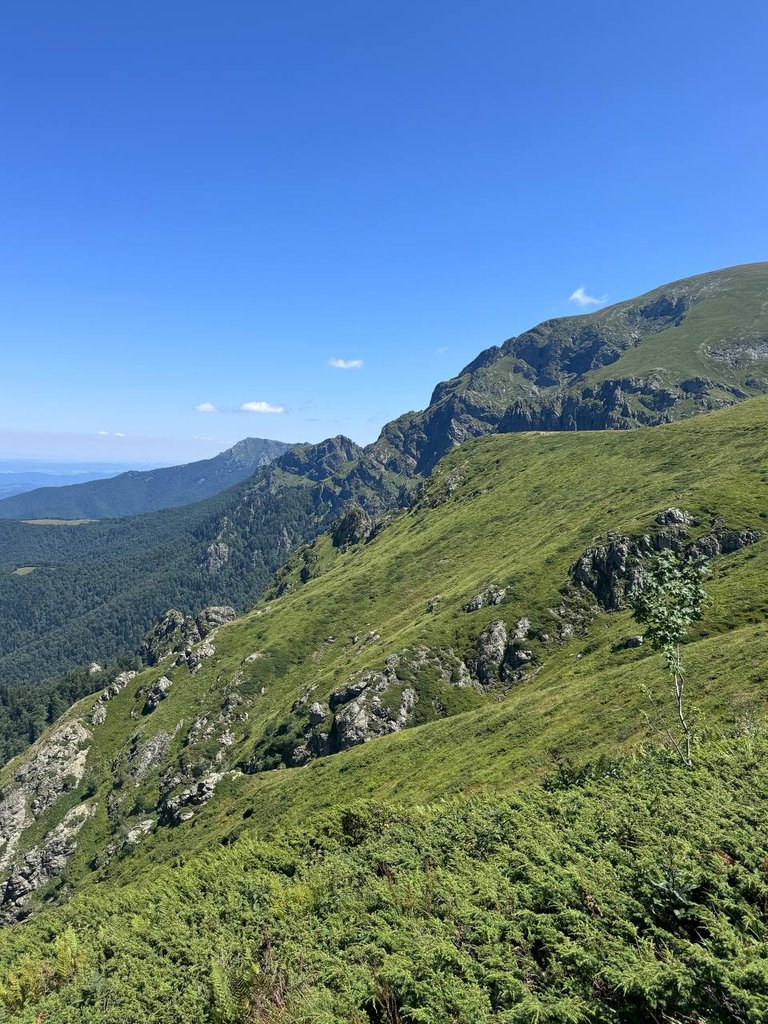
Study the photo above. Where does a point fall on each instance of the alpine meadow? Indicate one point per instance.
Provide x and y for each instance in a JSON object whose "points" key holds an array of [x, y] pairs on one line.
{"points": [[358, 666]]}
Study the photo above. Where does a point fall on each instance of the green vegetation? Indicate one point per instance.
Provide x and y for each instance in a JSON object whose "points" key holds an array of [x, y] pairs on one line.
{"points": [[627, 891], [669, 601], [513, 854], [135, 492], [99, 586]]}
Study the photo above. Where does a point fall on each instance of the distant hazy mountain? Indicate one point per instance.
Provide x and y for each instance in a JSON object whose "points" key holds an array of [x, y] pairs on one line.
{"points": [[140, 491], [20, 475]]}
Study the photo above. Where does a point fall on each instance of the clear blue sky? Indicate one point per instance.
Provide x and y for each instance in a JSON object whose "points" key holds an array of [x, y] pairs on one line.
{"points": [[206, 202]]}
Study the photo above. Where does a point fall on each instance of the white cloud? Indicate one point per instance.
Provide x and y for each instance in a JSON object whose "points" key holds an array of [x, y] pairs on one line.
{"points": [[206, 407], [119, 434], [346, 364], [109, 433], [581, 298], [260, 407], [102, 433]]}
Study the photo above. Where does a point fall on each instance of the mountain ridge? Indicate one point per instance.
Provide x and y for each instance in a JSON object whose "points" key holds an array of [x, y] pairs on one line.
{"points": [[137, 491], [235, 542]]}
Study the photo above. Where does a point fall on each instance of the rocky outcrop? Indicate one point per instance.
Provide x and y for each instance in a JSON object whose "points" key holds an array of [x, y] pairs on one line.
{"points": [[491, 651], [56, 766], [118, 684], [410, 688], [182, 807], [144, 755], [42, 863], [611, 572], [355, 526], [492, 595], [157, 693], [177, 633]]}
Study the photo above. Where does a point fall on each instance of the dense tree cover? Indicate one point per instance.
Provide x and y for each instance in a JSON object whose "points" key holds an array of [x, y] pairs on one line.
{"points": [[97, 588], [623, 892]]}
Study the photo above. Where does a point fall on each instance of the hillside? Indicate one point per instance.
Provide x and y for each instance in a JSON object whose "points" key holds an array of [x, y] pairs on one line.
{"points": [[94, 589], [466, 649], [139, 491]]}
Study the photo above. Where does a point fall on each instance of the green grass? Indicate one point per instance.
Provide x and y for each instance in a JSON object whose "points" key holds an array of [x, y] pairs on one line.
{"points": [[526, 508], [632, 891], [523, 508]]}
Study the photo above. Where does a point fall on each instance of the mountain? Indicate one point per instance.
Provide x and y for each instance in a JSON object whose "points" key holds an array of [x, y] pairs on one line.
{"points": [[139, 491], [93, 590], [17, 477], [687, 347], [417, 780]]}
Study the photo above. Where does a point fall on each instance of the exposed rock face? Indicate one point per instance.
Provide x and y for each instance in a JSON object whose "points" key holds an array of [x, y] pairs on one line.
{"points": [[42, 863], [144, 756], [137, 833], [171, 632], [378, 702], [176, 632], [118, 684], [492, 595], [182, 807], [722, 541], [354, 527], [628, 643], [367, 715], [195, 656], [156, 694], [57, 765], [491, 649], [212, 617], [218, 555], [612, 571]]}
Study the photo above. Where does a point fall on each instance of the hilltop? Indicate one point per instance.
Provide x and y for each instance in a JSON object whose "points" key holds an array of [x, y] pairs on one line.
{"points": [[138, 491]]}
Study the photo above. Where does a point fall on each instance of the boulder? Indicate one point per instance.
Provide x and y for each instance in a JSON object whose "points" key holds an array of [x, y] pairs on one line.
{"points": [[156, 694], [491, 648]]}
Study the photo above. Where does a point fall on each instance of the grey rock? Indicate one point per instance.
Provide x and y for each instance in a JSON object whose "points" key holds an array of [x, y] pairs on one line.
{"points": [[629, 642], [144, 756], [137, 833], [317, 713], [99, 713], [354, 527], [522, 629], [156, 694], [44, 862], [491, 648], [212, 617], [182, 807], [492, 595], [674, 517]]}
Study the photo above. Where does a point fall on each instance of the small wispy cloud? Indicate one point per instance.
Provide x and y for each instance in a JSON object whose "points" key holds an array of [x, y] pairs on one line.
{"points": [[583, 299], [261, 407], [441, 351], [206, 407], [119, 433], [110, 433], [346, 364]]}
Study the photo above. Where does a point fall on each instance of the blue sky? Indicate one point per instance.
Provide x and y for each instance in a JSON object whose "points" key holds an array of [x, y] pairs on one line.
{"points": [[207, 203]]}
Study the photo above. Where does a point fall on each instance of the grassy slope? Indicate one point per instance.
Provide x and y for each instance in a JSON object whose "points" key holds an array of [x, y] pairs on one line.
{"points": [[737, 311], [527, 507], [634, 894]]}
